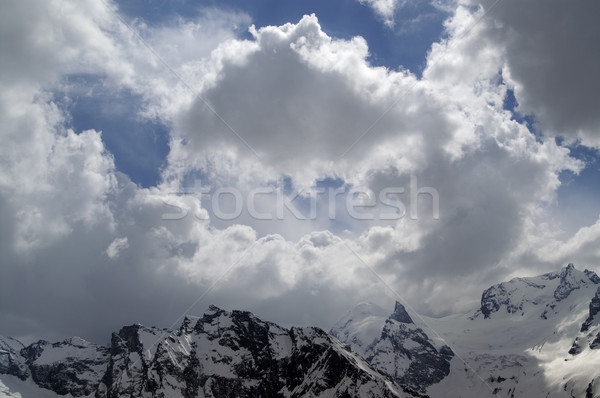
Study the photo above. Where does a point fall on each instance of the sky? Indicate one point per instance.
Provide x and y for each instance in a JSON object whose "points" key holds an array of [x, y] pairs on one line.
{"points": [[289, 158]]}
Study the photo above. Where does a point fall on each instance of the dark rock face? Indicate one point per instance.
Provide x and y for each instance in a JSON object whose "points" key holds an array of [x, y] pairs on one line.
{"points": [[506, 294], [592, 276], [71, 366], [594, 309], [11, 361], [400, 314], [576, 348], [590, 323], [595, 344], [498, 295], [567, 283], [570, 279], [405, 353], [395, 346], [235, 354], [62, 378], [492, 299], [222, 354]]}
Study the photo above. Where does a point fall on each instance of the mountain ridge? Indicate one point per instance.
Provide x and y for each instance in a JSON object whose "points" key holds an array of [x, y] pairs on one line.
{"points": [[532, 336], [221, 354]]}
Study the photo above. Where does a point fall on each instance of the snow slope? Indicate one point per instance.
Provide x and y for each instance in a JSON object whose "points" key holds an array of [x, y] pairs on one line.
{"points": [[530, 337], [517, 343]]}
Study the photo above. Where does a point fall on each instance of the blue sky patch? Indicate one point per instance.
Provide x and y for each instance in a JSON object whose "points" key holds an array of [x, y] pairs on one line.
{"points": [[139, 146]]}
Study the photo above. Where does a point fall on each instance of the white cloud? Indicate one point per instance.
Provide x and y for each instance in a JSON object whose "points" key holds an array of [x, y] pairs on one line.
{"points": [[311, 97], [300, 99], [384, 8], [116, 247]]}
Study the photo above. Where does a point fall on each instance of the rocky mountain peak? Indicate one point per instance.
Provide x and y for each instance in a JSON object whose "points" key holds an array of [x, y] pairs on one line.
{"points": [[400, 314], [395, 346], [379, 353], [221, 354], [572, 279], [520, 295], [188, 323]]}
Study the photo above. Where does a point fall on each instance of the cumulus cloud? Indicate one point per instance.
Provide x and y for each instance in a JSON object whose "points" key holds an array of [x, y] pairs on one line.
{"points": [[551, 62], [288, 109], [311, 98], [488, 169]]}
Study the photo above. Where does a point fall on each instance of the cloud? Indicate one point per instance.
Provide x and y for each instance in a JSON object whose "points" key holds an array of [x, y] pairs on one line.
{"points": [[384, 8], [288, 109], [311, 98], [493, 176], [62, 198], [551, 61], [116, 247]]}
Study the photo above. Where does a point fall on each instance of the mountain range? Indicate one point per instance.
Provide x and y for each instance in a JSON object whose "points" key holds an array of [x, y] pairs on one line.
{"points": [[530, 337]]}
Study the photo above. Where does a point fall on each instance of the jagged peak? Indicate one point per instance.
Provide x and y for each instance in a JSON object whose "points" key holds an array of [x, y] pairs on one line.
{"points": [[127, 330], [571, 270], [77, 342], [571, 279], [519, 293], [213, 309], [400, 314], [211, 314], [188, 323]]}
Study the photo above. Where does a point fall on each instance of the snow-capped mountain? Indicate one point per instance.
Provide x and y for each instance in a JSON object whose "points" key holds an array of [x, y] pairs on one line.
{"points": [[222, 354], [394, 345], [69, 367], [546, 291], [519, 343], [530, 337]]}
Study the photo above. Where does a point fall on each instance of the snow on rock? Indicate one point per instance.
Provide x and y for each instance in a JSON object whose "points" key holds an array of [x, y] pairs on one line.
{"points": [[13, 387], [11, 361], [73, 366], [394, 345], [589, 336], [236, 354], [541, 293], [520, 342], [221, 354], [535, 336], [592, 318]]}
